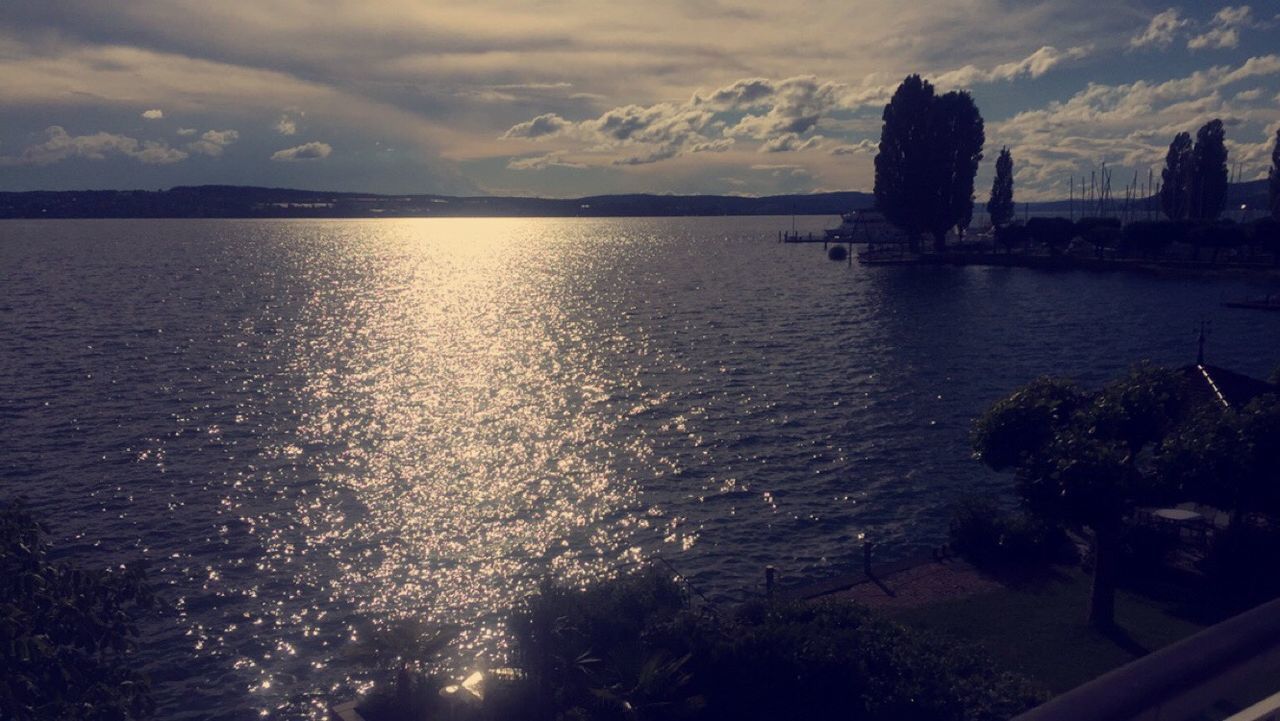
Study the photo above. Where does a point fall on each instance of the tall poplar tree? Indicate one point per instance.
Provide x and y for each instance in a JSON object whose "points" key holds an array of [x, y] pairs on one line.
{"points": [[930, 147], [1208, 192], [1000, 206], [1176, 178], [1274, 186]]}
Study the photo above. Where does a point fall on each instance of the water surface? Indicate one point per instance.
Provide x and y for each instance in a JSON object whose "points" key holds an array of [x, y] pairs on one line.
{"points": [[311, 429]]}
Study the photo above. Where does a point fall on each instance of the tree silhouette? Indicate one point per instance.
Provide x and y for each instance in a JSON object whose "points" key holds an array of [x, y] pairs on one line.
{"points": [[901, 164], [930, 147], [1208, 195], [1176, 177], [1273, 186], [1077, 457], [1000, 206]]}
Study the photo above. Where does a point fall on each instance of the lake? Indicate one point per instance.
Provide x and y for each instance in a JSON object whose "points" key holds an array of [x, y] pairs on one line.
{"points": [[311, 429]]}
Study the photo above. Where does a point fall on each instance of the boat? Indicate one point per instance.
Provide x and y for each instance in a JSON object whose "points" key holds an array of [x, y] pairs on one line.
{"points": [[865, 226], [1269, 302]]}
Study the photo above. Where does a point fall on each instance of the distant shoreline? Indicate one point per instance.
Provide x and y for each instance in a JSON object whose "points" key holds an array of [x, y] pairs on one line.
{"points": [[248, 202]]}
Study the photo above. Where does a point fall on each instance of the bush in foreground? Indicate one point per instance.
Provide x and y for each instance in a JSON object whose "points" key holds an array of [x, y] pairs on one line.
{"points": [[996, 538], [66, 633], [633, 649]]}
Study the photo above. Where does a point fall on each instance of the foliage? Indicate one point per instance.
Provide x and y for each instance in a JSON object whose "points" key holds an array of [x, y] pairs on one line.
{"points": [[1053, 233], [994, 537], [1000, 206], [1151, 238], [1273, 185], [1234, 571], [1208, 192], [930, 146], [1229, 459], [630, 650], [66, 633], [1011, 235], [1266, 235], [1217, 236], [1076, 455], [1176, 178]]}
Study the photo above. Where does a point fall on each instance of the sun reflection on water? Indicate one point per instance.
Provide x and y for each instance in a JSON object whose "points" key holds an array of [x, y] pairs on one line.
{"points": [[459, 421]]}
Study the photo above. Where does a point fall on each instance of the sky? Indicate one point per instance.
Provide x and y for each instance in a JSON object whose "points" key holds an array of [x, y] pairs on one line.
{"points": [[564, 98]]}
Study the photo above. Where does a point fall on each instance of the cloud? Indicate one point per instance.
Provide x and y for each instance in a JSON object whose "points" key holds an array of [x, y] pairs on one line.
{"points": [[154, 114], [1225, 30], [59, 145], [1128, 125], [1160, 31], [862, 146], [286, 125], [1215, 38], [213, 142], [186, 131], [790, 142], [307, 151], [774, 116], [1032, 66], [540, 162], [540, 127]]}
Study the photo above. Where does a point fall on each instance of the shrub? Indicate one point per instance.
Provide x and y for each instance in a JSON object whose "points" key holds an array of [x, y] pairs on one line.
{"points": [[994, 537], [1233, 568], [1014, 234], [1151, 237], [1266, 235], [632, 649], [66, 633], [1053, 233]]}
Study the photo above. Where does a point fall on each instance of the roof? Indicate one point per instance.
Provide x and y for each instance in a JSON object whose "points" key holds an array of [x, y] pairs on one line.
{"points": [[1212, 384]]}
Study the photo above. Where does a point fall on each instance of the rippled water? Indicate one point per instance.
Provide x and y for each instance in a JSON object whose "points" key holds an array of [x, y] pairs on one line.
{"points": [[314, 428]]}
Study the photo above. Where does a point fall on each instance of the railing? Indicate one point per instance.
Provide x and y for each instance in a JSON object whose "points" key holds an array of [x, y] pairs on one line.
{"points": [[1182, 681]]}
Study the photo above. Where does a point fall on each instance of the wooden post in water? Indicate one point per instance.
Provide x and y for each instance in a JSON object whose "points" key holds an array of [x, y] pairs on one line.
{"points": [[768, 581], [866, 557]]}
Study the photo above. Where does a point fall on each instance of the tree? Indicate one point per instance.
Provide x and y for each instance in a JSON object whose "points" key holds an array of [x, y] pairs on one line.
{"points": [[1208, 192], [1000, 206], [900, 164], [1078, 457], [930, 147], [66, 633], [1176, 178], [1273, 186], [1228, 458], [966, 219]]}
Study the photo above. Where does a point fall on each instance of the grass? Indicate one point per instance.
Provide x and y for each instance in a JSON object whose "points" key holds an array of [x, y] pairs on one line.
{"points": [[1039, 630]]}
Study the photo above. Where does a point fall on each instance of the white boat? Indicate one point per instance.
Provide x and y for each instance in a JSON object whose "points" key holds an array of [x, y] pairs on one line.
{"points": [[865, 226]]}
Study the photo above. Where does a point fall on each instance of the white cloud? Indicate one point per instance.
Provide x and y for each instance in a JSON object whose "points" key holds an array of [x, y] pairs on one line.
{"points": [[186, 132], [307, 151], [1160, 31], [1216, 38], [540, 162], [1129, 125], [1225, 30], [60, 145], [775, 116], [1033, 66], [540, 127], [862, 146], [213, 142], [153, 114], [286, 125]]}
